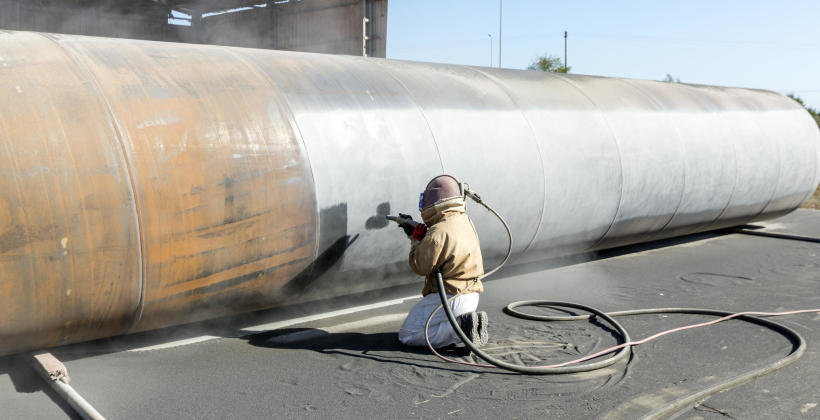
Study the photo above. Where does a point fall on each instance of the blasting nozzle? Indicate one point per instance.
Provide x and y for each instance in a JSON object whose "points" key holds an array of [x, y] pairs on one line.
{"points": [[414, 230], [402, 219]]}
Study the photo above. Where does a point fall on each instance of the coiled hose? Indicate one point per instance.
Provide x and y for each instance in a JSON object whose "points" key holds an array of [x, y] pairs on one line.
{"points": [[621, 350]]}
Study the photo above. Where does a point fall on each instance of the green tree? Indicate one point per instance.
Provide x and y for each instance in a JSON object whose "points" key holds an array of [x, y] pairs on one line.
{"points": [[548, 63], [670, 79], [813, 112]]}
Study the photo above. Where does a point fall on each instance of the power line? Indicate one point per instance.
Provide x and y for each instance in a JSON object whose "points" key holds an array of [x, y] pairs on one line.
{"points": [[662, 39]]}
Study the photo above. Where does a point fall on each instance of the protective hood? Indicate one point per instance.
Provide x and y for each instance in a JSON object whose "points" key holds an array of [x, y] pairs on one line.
{"points": [[433, 214], [439, 189]]}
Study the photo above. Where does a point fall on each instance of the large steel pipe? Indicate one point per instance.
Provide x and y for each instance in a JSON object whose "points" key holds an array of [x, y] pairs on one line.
{"points": [[147, 184]]}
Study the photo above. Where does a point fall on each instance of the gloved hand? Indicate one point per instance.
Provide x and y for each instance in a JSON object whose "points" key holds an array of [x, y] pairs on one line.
{"points": [[414, 230], [407, 223]]}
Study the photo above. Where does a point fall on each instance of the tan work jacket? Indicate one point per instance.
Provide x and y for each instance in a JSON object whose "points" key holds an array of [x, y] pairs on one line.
{"points": [[451, 244]]}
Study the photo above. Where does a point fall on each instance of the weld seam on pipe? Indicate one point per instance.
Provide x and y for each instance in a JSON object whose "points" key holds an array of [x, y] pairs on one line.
{"points": [[504, 88], [421, 112], [120, 137], [618, 147], [663, 110], [290, 116]]}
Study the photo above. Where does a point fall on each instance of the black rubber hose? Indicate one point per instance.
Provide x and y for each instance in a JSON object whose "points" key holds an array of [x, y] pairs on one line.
{"points": [[510, 309], [798, 348], [777, 235], [799, 345], [619, 355]]}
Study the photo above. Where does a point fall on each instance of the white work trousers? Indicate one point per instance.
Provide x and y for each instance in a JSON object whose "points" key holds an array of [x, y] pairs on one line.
{"points": [[441, 333]]}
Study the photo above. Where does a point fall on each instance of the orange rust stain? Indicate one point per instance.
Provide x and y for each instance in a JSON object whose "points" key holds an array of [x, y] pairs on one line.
{"points": [[220, 195], [112, 149], [68, 223]]}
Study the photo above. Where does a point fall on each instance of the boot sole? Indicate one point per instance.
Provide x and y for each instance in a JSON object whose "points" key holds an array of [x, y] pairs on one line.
{"points": [[483, 336]]}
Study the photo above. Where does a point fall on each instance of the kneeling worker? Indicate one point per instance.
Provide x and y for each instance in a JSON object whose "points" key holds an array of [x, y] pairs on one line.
{"points": [[446, 241]]}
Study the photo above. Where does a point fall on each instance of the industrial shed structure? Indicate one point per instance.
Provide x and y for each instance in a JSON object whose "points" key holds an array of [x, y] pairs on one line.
{"points": [[353, 27]]}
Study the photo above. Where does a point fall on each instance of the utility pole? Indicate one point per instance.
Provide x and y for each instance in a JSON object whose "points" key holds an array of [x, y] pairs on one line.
{"points": [[500, 11], [491, 49], [565, 50]]}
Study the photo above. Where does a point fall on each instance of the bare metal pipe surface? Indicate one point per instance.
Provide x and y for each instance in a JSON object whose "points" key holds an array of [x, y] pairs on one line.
{"points": [[148, 184]]}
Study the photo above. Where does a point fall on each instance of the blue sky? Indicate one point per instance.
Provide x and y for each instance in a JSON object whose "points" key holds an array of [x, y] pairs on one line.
{"points": [[753, 43]]}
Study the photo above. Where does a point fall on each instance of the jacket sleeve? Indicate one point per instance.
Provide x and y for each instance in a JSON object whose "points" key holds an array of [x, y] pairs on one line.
{"points": [[425, 255]]}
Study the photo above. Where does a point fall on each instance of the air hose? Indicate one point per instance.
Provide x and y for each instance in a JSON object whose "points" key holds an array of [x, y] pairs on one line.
{"points": [[621, 350]]}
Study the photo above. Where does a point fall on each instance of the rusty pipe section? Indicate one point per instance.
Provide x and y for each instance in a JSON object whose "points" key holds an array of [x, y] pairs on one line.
{"points": [[148, 184]]}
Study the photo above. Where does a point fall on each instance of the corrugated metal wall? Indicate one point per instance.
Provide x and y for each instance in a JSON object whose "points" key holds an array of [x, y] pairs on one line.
{"points": [[324, 26], [149, 21]]}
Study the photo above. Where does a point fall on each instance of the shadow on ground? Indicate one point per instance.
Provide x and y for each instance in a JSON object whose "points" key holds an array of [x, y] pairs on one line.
{"points": [[381, 347], [26, 381]]}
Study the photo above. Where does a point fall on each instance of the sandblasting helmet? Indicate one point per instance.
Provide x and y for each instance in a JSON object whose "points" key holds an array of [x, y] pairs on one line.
{"points": [[440, 188]]}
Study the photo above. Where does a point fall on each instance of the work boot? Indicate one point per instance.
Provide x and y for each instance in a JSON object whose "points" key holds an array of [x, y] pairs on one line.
{"points": [[474, 325]]}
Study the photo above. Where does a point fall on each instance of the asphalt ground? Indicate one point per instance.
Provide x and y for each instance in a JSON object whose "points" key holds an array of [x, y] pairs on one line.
{"points": [[352, 366]]}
